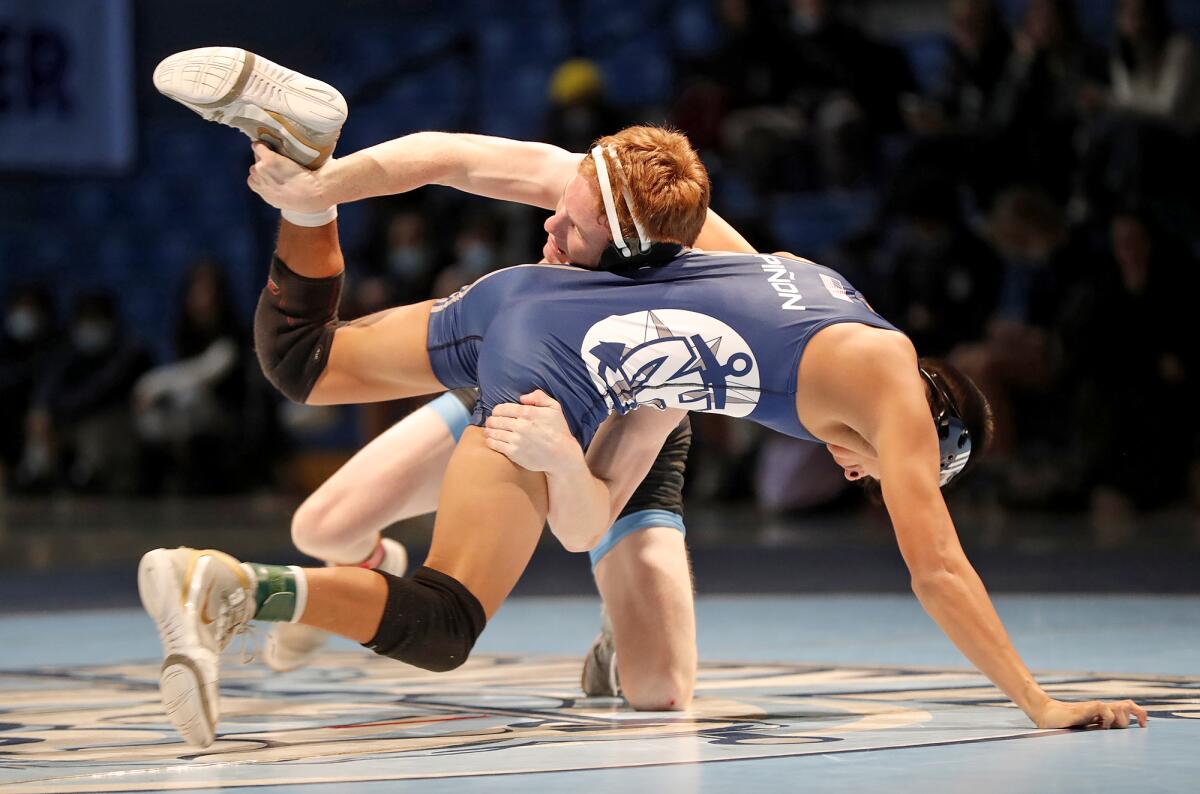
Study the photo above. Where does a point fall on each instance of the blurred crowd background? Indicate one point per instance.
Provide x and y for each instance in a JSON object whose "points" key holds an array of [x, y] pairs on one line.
{"points": [[1012, 182]]}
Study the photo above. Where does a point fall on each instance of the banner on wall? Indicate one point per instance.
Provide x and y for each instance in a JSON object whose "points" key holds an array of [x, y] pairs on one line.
{"points": [[66, 85]]}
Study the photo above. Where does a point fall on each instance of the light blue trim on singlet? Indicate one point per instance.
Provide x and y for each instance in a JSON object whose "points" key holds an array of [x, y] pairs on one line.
{"points": [[453, 413], [626, 525]]}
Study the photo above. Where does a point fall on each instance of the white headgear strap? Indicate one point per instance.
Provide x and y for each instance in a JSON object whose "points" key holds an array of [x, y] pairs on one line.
{"points": [[610, 206]]}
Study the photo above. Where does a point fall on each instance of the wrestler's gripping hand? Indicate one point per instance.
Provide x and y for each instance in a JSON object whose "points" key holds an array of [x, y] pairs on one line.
{"points": [[285, 184], [1092, 714], [533, 435]]}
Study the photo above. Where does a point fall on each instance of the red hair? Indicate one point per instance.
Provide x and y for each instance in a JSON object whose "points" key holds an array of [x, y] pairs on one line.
{"points": [[667, 181]]}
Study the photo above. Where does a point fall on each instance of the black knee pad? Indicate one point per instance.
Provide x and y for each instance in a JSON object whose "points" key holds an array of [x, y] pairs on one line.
{"points": [[430, 621], [293, 328]]}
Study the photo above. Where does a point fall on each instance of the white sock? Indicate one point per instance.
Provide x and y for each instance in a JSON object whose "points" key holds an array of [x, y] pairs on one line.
{"points": [[318, 218]]}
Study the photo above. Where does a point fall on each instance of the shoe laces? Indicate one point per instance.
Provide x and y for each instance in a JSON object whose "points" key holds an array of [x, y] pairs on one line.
{"points": [[233, 621], [251, 643]]}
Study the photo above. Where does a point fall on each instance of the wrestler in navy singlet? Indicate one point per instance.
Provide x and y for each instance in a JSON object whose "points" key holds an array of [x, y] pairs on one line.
{"points": [[706, 332]]}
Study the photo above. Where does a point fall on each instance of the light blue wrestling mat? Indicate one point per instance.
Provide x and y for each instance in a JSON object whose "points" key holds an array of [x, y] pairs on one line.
{"points": [[824, 693]]}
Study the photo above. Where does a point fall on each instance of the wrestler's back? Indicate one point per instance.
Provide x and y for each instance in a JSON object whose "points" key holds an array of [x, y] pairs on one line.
{"points": [[707, 332]]}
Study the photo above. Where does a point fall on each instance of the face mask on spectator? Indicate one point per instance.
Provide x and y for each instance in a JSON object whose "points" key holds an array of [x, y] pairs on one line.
{"points": [[476, 259], [407, 261], [23, 324], [91, 336]]}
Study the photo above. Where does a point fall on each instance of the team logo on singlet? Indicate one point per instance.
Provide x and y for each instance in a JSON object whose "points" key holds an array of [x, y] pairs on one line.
{"points": [[671, 358]]}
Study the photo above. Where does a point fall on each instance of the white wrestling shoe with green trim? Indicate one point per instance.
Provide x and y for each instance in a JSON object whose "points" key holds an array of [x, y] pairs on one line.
{"points": [[297, 116], [199, 599], [290, 646]]}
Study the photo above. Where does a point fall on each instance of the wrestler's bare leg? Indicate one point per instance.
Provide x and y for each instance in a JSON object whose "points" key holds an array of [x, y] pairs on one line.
{"points": [[489, 519], [396, 476], [644, 580], [310, 251], [379, 357], [646, 585]]}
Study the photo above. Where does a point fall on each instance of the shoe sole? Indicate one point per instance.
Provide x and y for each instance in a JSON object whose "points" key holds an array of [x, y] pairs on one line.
{"points": [[211, 80], [180, 683]]}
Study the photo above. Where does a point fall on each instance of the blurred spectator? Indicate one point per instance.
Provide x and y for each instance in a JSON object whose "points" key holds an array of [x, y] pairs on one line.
{"points": [[1155, 67], [27, 338], [978, 52], [940, 278], [849, 86], [1018, 357], [1147, 144], [80, 426], [1135, 357], [476, 252], [748, 70], [579, 112], [955, 126], [1053, 78], [405, 268], [189, 412], [840, 89], [411, 256]]}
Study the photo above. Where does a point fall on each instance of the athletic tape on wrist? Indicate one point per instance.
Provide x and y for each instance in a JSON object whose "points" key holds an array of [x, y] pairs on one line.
{"points": [[318, 218]]}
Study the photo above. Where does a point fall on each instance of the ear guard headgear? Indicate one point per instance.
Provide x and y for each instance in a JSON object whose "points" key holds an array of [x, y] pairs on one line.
{"points": [[622, 253], [954, 440]]}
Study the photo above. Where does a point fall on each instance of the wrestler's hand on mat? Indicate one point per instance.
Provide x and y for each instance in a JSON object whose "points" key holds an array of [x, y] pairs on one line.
{"points": [[284, 184], [534, 434], [1092, 714]]}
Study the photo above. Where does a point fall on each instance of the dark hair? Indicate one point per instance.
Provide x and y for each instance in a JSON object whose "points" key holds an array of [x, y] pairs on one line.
{"points": [[973, 408]]}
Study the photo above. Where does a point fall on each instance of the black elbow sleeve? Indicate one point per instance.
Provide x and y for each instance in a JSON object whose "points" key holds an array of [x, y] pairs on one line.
{"points": [[293, 328]]}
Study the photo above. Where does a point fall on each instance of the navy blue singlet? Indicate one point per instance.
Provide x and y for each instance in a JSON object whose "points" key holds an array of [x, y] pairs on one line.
{"points": [[706, 332]]}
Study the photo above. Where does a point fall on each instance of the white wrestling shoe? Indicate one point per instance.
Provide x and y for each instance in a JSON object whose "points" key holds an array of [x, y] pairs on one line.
{"points": [[297, 116], [599, 678], [199, 600], [290, 646]]}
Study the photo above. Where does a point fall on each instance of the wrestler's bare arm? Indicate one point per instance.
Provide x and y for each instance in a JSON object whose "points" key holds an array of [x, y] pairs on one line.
{"points": [[520, 171], [718, 235], [885, 399], [587, 493], [624, 449]]}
